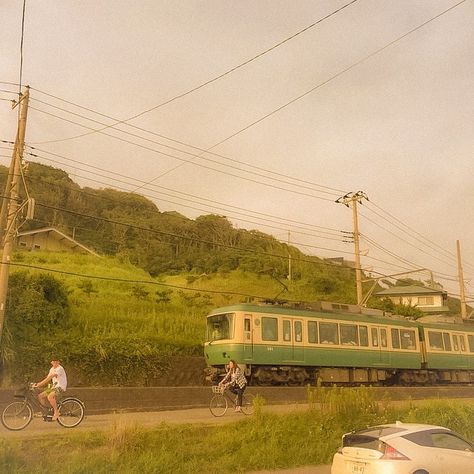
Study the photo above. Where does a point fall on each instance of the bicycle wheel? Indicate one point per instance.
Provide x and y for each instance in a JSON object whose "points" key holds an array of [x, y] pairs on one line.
{"points": [[71, 412], [17, 416], [247, 403], [218, 405]]}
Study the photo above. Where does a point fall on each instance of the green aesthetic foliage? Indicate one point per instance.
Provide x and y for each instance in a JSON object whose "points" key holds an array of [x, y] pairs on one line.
{"points": [[103, 327], [264, 441]]}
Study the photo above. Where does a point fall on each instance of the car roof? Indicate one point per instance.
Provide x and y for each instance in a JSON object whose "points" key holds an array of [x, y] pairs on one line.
{"points": [[393, 430]]}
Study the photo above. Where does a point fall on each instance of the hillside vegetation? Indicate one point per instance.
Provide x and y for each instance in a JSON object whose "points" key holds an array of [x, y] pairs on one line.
{"points": [[128, 316]]}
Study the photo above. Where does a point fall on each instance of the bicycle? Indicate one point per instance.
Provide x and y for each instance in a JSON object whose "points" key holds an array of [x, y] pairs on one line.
{"points": [[18, 414], [222, 399]]}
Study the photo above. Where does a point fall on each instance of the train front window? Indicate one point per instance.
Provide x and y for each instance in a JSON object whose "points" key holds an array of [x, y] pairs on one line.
{"points": [[220, 326]]}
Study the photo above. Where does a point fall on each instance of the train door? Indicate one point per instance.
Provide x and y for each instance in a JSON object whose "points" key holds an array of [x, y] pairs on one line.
{"points": [[379, 341], [460, 348], [298, 348], [248, 337], [293, 340]]}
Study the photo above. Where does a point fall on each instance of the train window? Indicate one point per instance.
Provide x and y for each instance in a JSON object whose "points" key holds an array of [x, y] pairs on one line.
{"points": [[220, 326], [286, 330], [408, 339], [328, 333], [247, 324], [462, 342], [395, 338], [470, 340], [349, 335], [269, 329], [298, 331], [363, 336], [436, 340], [313, 331], [383, 337], [455, 343], [447, 341], [375, 337]]}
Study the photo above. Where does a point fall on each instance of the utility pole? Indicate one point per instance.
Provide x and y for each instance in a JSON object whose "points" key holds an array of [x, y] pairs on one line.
{"points": [[351, 200], [461, 282], [289, 258], [11, 203]]}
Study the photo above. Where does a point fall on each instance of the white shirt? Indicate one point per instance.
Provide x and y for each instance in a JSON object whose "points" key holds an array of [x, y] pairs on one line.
{"points": [[60, 378]]}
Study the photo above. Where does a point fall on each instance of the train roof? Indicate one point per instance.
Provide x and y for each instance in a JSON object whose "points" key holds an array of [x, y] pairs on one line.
{"points": [[338, 312]]}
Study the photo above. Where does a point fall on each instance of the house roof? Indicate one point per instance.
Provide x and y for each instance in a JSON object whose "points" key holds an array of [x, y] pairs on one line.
{"points": [[58, 235], [409, 290]]}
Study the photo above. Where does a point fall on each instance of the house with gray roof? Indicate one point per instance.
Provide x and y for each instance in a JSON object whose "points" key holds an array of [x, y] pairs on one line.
{"points": [[428, 300], [50, 239]]}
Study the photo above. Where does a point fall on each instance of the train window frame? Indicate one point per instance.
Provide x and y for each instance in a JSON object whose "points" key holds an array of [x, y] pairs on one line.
{"points": [[435, 347], [363, 336], [220, 325], [395, 335], [447, 342], [455, 343], [298, 330], [408, 334], [349, 341], [462, 343], [269, 333], [331, 327], [313, 333], [286, 330], [470, 342], [383, 337], [374, 337]]}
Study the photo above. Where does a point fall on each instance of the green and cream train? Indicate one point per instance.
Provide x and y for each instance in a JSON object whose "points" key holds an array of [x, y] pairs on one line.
{"points": [[336, 343]]}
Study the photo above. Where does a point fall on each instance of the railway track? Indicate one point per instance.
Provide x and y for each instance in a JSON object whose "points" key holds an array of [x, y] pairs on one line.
{"points": [[129, 399]]}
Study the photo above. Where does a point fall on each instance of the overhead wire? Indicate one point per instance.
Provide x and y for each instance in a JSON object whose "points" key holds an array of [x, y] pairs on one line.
{"points": [[246, 178], [220, 76], [379, 50], [125, 180]]}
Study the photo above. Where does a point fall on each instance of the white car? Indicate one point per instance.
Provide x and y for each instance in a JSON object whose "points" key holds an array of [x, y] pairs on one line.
{"points": [[404, 448]]}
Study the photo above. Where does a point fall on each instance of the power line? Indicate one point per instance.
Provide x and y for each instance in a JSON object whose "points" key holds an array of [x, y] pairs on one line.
{"points": [[204, 166], [229, 71], [263, 172], [21, 46], [192, 198]]}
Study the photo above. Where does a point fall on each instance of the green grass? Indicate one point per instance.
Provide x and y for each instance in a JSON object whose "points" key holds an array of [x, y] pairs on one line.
{"points": [[263, 441]]}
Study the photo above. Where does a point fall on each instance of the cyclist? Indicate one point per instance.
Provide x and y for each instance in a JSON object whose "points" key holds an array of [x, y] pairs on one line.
{"points": [[56, 375], [237, 382]]}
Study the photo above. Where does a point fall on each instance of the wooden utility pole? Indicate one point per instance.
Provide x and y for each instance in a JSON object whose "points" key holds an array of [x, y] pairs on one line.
{"points": [[289, 258], [351, 200], [11, 204], [461, 282]]}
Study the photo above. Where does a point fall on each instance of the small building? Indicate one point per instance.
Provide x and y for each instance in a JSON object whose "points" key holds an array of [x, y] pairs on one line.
{"points": [[428, 300], [50, 239]]}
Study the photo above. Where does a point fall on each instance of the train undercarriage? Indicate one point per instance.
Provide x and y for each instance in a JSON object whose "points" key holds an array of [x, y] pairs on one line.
{"points": [[294, 376]]}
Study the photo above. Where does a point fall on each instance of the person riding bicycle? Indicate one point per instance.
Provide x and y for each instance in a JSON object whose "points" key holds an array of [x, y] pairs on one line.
{"points": [[237, 382], [57, 376]]}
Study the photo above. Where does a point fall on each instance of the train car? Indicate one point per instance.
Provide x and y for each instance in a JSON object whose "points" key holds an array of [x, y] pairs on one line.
{"points": [[333, 343], [448, 352]]}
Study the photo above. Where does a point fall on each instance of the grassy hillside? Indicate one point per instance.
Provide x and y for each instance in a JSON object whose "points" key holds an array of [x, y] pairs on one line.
{"points": [[122, 326]]}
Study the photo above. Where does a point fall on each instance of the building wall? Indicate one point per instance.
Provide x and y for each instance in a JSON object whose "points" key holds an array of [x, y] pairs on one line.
{"points": [[43, 241], [420, 301]]}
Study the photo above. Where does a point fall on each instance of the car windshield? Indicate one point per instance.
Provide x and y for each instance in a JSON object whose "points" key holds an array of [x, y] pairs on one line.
{"points": [[220, 326]]}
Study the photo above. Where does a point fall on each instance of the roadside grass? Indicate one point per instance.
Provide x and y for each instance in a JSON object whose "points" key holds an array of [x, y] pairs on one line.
{"points": [[263, 441]]}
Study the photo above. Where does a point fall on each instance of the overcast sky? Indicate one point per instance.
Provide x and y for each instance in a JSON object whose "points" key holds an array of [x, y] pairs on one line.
{"points": [[376, 97]]}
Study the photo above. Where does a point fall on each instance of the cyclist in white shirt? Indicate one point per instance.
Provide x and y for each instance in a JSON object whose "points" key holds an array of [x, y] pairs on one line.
{"points": [[57, 377]]}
